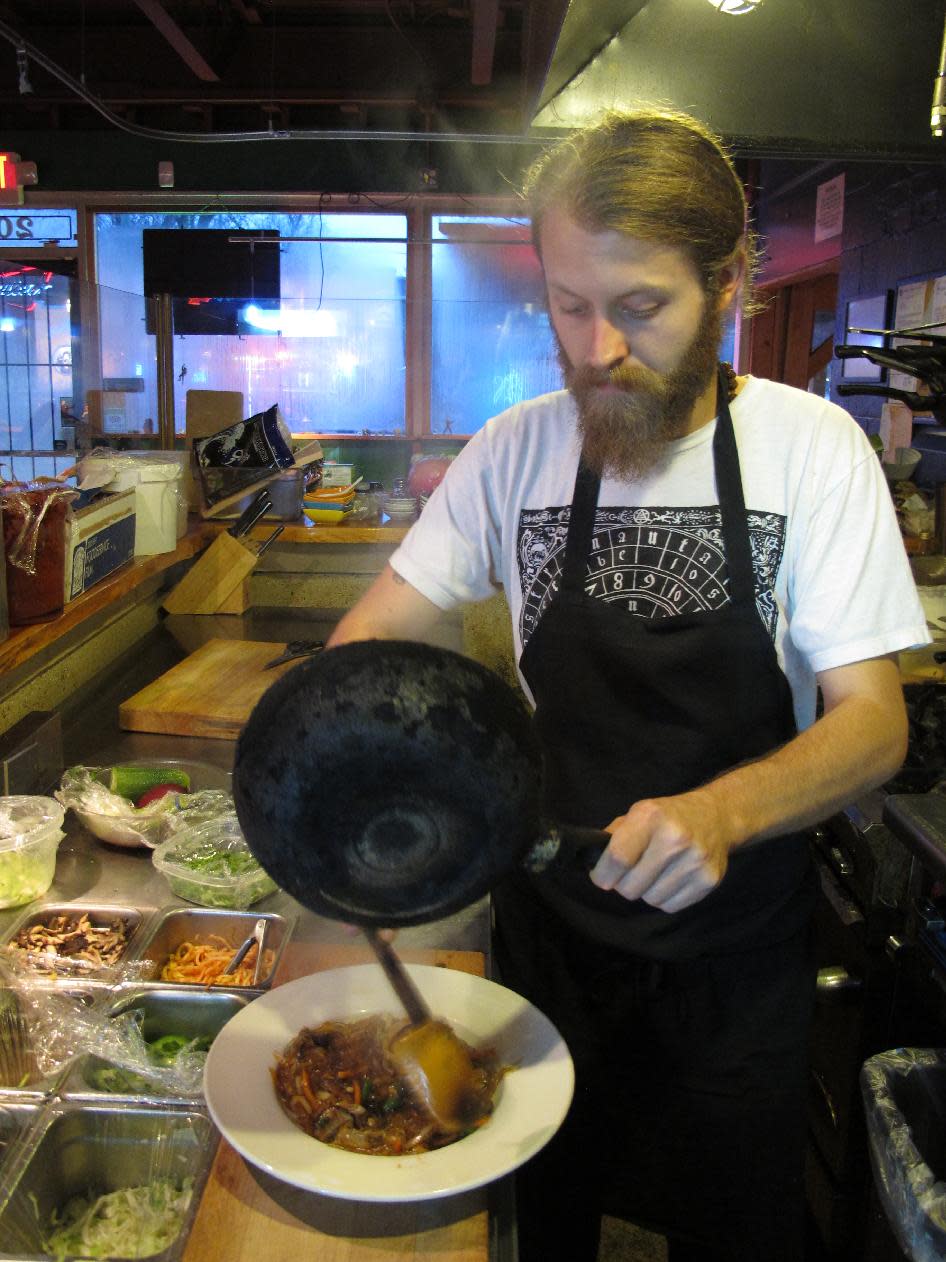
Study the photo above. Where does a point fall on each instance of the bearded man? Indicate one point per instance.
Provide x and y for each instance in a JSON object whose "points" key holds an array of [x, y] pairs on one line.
{"points": [[689, 558]]}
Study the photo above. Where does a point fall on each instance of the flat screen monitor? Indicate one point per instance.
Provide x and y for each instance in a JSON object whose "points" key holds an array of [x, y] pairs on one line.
{"points": [[211, 275]]}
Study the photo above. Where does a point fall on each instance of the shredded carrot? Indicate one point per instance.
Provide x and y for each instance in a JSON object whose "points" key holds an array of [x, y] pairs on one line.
{"points": [[304, 1082], [202, 964], [357, 1089]]}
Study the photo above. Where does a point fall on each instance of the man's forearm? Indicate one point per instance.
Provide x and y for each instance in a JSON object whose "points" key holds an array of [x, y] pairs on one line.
{"points": [[848, 751], [672, 851], [389, 610]]}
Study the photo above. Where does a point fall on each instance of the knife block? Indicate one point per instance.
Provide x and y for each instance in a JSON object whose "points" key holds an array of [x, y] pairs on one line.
{"points": [[213, 579]]}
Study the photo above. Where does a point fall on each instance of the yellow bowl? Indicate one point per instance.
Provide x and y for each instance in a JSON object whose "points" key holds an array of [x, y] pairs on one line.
{"points": [[329, 496], [326, 516]]}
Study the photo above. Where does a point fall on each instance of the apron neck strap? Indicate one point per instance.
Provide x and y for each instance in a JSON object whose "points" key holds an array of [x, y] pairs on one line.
{"points": [[732, 503], [732, 508]]}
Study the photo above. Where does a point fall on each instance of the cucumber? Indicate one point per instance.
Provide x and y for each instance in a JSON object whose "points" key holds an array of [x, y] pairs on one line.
{"points": [[131, 782]]}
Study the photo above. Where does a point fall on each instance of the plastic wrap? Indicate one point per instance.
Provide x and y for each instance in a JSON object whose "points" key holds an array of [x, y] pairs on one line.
{"points": [[103, 465], [904, 1094], [124, 1062], [34, 537], [42, 1030], [114, 818], [28, 504], [30, 833], [57, 1028]]}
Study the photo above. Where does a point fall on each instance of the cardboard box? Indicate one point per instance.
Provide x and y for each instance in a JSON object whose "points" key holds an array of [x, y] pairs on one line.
{"points": [[334, 474], [99, 539]]}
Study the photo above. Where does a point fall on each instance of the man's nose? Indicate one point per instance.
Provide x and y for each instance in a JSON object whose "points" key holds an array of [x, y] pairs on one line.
{"points": [[608, 346]]}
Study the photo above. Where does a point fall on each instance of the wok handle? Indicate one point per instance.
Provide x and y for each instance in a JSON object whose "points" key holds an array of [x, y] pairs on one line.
{"points": [[566, 845]]}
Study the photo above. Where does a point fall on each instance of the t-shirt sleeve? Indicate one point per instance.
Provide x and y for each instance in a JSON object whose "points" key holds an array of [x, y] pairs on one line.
{"points": [[452, 553], [852, 593]]}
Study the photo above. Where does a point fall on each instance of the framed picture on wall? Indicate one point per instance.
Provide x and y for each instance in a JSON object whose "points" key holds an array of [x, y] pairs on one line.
{"points": [[865, 314]]}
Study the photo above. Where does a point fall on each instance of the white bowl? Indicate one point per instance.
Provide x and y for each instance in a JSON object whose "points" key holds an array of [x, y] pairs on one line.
{"points": [[124, 824], [531, 1102]]}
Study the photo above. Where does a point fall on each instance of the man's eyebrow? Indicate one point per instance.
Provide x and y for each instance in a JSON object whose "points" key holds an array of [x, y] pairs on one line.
{"points": [[650, 290]]}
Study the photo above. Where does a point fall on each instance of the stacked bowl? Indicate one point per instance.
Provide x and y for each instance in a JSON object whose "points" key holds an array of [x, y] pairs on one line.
{"points": [[399, 508], [329, 505]]}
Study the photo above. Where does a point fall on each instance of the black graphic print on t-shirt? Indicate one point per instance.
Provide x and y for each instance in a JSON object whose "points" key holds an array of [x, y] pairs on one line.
{"points": [[656, 562]]}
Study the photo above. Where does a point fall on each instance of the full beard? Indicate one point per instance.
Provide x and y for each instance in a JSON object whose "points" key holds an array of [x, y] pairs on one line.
{"points": [[625, 432]]}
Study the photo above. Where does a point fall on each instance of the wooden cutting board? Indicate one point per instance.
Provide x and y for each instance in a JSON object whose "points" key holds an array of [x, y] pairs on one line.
{"points": [[210, 693], [246, 1215]]}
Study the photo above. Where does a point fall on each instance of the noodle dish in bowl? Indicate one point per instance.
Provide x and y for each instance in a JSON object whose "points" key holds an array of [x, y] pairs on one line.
{"points": [[250, 1083]]}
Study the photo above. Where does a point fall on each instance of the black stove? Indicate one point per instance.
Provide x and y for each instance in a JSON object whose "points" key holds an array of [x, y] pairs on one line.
{"points": [[880, 929]]}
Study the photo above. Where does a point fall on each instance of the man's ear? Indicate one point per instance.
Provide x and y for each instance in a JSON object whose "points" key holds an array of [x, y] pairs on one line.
{"points": [[730, 278]]}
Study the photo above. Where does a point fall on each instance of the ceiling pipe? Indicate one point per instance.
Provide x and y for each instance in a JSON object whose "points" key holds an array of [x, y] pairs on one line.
{"points": [[235, 137]]}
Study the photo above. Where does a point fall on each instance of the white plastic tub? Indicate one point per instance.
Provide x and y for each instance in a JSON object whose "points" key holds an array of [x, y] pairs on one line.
{"points": [[156, 478]]}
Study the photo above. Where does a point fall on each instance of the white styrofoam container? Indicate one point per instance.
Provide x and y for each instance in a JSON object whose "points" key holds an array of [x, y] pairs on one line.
{"points": [[158, 497]]}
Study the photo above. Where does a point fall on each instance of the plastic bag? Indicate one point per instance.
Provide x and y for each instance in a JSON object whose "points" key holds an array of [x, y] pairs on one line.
{"points": [[103, 465], [113, 818], [897, 1088], [26, 507]]}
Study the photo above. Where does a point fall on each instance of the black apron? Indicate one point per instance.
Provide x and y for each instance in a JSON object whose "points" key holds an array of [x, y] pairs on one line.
{"points": [[687, 1029], [630, 708]]}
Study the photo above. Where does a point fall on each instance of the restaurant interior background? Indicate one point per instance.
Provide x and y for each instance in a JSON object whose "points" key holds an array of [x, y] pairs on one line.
{"points": [[383, 142]]}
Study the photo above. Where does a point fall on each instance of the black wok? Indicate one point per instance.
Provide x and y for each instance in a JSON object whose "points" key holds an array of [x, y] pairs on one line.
{"points": [[393, 783]]}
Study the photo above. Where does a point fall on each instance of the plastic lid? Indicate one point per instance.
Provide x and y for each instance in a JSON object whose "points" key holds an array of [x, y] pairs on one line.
{"points": [[25, 820], [201, 854]]}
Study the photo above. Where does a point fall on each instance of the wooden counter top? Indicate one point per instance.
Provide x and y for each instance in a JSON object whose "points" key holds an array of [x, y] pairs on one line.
{"points": [[246, 1215], [307, 532], [23, 643]]}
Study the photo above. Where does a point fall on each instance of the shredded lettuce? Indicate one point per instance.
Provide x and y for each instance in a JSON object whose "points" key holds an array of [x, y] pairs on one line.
{"points": [[132, 1222], [24, 876]]}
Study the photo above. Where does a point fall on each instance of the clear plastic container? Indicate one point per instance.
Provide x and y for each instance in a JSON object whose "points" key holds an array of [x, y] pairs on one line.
{"points": [[30, 833], [211, 865], [34, 536]]}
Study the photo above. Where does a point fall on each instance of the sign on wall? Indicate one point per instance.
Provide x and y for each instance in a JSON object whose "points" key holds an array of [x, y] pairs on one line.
{"points": [[37, 228]]}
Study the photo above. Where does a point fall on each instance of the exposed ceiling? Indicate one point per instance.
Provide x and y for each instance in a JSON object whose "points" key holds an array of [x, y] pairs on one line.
{"points": [[191, 66], [808, 78]]}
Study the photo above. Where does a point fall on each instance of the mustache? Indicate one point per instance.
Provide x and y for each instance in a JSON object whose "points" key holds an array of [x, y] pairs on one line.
{"points": [[627, 377]]}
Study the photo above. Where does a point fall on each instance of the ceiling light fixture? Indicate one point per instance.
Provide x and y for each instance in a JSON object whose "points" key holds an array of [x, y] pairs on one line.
{"points": [[735, 6]]}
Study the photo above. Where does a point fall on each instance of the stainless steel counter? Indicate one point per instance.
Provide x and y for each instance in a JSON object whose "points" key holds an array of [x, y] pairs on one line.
{"points": [[92, 871]]}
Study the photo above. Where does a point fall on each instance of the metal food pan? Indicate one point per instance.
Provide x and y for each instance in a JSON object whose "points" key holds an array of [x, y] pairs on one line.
{"points": [[36, 1084], [72, 969], [86, 1151], [17, 1115], [178, 925], [186, 1011]]}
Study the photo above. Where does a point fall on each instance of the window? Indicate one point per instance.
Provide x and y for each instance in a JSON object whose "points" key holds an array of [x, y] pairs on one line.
{"points": [[332, 355], [492, 342], [36, 347]]}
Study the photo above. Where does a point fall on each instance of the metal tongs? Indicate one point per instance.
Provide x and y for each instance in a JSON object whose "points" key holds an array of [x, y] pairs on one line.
{"points": [[258, 935], [433, 1062]]}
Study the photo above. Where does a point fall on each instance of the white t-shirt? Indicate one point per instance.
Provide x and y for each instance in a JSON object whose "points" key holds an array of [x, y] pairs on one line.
{"points": [[833, 584]]}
